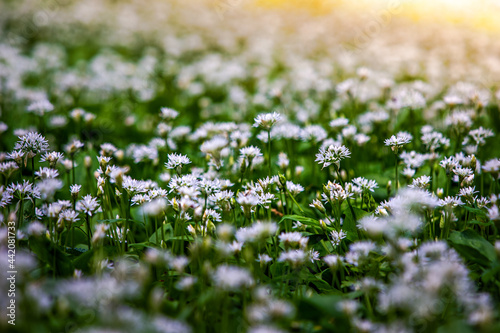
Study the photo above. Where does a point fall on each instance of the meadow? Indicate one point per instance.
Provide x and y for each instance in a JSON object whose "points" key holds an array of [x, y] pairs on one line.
{"points": [[197, 166]]}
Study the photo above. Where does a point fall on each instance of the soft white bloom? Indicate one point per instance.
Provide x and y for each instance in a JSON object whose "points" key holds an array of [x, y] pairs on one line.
{"points": [[332, 155], [267, 120]]}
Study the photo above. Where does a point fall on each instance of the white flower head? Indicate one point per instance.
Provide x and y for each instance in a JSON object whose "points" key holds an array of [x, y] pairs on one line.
{"points": [[332, 155], [267, 120]]}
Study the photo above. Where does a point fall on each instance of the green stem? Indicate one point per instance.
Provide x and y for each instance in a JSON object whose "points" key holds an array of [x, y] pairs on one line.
{"points": [[89, 231], [269, 151], [396, 175]]}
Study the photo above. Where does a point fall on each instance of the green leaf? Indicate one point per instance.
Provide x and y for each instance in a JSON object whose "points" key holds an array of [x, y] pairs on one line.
{"points": [[323, 310], [51, 255], [477, 211], [83, 261], [74, 237], [167, 229], [473, 247], [350, 223], [110, 221], [302, 219]]}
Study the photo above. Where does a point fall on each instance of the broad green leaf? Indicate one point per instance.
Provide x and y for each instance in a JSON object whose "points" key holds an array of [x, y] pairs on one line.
{"points": [[302, 219], [52, 255], [350, 223], [473, 247], [75, 237]]}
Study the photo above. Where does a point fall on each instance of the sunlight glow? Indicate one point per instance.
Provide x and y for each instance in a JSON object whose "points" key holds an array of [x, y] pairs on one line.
{"points": [[480, 14]]}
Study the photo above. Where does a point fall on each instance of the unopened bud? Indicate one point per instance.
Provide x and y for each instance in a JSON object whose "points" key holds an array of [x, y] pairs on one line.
{"points": [[87, 162], [175, 205], [322, 224]]}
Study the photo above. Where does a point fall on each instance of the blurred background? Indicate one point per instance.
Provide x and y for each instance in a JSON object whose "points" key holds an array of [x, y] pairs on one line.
{"points": [[227, 59]]}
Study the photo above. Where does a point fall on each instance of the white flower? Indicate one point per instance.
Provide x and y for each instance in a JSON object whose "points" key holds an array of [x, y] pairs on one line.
{"points": [[267, 120], [52, 158], [283, 161], [46, 173], [365, 184], [293, 239], [168, 113], [256, 232], [72, 147], [332, 260], [397, 141], [154, 207], [48, 187], [294, 257], [332, 155], [88, 205], [337, 237], [40, 107], [32, 144], [232, 278], [177, 161], [421, 182], [249, 153]]}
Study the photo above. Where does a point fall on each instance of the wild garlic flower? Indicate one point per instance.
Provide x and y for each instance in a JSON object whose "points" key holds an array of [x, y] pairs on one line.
{"points": [[46, 173], [435, 140], [8, 168], [283, 161], [69, 216], [449, 163], [211, 215], [292, 239], [48, 187], [408, 172], [421, 182], [332, 155], [5, 196], [249, 153], [492, 166], [295, 257], [366, 185], [468, 194], [75, 190], [450, 202], [397, 141], [318, 205], [154, 207], [333, 261], [258, 231], [26, 189], [107, 149], [177, 161], [247, 200], [479, 136], [40, 107], [266, 120], [294, 189], [335, 193], [72, 147], [313, 133], [339, 123], [168, 113], [32, 144], [52, 157], [337, 237], [232, 278], [88, 205]]}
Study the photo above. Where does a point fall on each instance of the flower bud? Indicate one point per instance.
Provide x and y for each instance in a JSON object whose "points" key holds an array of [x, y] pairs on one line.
{"points": [[87, 162]]}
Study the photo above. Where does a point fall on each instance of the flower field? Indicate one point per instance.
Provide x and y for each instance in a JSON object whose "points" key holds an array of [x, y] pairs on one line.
{"points": [[217, 166]]}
